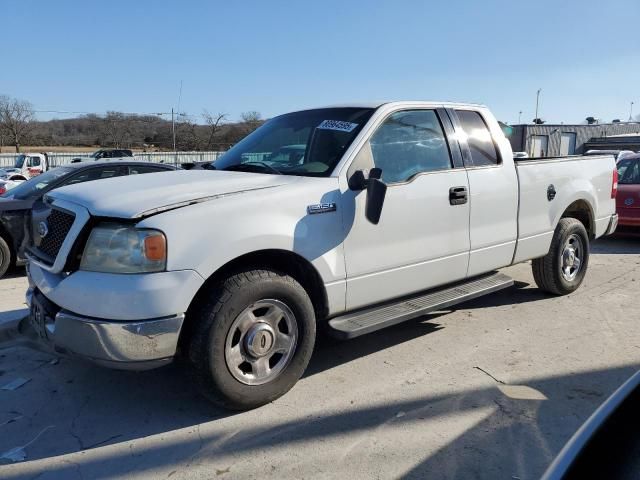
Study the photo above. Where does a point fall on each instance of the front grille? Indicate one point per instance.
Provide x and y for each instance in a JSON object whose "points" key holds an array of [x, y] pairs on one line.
{"points": [[59, 223]]}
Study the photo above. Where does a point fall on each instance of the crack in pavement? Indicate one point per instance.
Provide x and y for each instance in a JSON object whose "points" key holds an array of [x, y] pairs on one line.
{"points": [[487, 373]]}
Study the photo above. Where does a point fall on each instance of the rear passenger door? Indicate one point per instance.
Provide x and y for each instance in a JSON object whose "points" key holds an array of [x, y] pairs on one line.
{"points": [[493, 189], [422, 239]]}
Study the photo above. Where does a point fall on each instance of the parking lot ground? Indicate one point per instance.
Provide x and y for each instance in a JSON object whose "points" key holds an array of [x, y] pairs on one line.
{"points": [[491, 389]]}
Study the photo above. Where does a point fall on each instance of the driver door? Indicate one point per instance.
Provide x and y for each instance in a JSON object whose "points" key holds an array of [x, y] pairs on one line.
{"points": [[422, 238]]}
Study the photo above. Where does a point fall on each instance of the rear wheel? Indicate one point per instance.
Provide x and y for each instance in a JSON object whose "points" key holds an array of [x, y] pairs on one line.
{"points": [[252, 340], [562, 270]]}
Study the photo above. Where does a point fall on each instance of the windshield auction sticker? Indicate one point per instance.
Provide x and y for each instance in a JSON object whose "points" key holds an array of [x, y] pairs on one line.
{"points": [[337, 125]]}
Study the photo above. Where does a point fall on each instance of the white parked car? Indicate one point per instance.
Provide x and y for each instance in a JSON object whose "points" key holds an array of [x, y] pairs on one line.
{"points": [[6, 184], [394, 210]]}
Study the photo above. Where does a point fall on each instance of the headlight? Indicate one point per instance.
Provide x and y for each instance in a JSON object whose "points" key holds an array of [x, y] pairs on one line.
{"points": [[118, 248]]}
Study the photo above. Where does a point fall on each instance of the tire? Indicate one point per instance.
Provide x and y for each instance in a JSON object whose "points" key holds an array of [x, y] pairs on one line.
{"points": [[228, 347], [557, 272], [5, 257]]}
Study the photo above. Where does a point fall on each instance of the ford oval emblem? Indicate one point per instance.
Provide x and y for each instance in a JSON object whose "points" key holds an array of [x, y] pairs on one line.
{"points": [[43, 229], [628, 202]]}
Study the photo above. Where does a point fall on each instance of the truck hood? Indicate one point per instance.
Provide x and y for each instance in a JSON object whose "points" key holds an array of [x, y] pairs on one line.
{"points": [[137, 196]]}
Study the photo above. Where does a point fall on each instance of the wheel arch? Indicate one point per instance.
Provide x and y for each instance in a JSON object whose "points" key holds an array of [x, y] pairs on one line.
{"points": [[283, 261], [581, 210]]}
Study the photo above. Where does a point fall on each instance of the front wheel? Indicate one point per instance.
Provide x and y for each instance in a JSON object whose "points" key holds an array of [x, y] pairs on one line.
{"points": [[5, 257], [562, 270], [252, 340]]}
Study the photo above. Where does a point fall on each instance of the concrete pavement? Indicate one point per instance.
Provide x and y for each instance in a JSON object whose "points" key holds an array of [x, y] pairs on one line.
{"points": [[492, 389]]}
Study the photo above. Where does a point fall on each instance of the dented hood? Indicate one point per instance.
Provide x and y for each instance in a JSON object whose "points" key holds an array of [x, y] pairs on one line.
{"points": [[137, 196]]}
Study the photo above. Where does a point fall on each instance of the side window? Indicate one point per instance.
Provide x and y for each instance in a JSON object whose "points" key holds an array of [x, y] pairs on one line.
{"points": [[483, 150], [139, 169], [33, 162], [112, 171], [96, 174], [409, 143]]}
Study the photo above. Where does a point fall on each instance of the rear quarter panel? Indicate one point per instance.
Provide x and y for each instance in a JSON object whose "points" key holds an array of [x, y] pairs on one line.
{"points": [[585, 178]]}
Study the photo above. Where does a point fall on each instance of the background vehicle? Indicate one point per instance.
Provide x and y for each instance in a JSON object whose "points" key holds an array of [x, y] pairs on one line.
{"points": [[628, 199], [27, 166], [618, 154], [16, 203], [6, 184], [106, 154], [394, 210]]}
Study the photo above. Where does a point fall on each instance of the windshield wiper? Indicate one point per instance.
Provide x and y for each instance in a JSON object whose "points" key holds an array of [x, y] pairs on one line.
{"points": [[251, 165]]}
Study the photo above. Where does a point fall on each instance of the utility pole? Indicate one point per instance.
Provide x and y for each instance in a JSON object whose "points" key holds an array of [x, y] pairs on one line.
{"points": [[173, 129], [537, 101], [631, 112]]}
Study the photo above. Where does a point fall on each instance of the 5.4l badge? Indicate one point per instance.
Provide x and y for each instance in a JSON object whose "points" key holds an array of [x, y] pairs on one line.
{"points": [[321, 208]]}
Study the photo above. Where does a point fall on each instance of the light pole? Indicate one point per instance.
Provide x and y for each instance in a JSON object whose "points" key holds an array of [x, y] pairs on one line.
{"points": [[174, 114], [519, 116], [631, 112], [537, 102]]}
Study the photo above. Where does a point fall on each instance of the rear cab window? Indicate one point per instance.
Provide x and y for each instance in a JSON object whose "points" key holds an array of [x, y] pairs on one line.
{"points": [[481, 145]]}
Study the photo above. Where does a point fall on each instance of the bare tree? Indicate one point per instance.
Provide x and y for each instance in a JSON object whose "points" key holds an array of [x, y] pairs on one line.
{"points": [[16, 119], [213, 123], [187, 136], [116, 128], [251, 120]]}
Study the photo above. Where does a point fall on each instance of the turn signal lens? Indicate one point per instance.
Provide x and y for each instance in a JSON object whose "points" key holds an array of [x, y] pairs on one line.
{"points": [[155, 247]]}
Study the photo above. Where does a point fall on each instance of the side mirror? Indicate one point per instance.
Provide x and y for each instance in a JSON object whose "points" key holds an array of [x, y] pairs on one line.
{"points": [[376, 192]]}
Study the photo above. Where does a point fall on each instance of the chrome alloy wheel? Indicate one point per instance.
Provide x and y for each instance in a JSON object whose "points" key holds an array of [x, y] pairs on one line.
{"points": [[261, 342], [572, 256]]}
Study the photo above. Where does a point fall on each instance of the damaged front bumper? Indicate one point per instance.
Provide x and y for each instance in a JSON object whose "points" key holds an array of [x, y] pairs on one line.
{"points": [[128, 345]]}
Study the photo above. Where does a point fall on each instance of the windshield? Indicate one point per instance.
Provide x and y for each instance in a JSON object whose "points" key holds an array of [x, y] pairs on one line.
{"points": [[20, 161], [308, 143], [629, 172], [37, 184], [95, 154]]}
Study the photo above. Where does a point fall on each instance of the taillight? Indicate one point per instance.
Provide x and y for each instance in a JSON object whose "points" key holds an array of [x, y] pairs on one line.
{"points": [[3, 189], [614, 183]]}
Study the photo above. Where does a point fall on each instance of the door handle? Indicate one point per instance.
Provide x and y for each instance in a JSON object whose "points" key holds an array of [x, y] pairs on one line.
{"points": [[458, 195]]}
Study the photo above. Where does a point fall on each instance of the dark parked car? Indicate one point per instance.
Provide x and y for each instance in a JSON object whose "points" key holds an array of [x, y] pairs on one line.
{"points": [[16, 204], [105, 153]]}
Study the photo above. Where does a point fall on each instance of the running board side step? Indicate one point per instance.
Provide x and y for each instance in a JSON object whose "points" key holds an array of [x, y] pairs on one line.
{"points": [[360, 322]]}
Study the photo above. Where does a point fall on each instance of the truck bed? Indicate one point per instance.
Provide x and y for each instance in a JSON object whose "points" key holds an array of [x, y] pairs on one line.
{"points": [[571, 178]]}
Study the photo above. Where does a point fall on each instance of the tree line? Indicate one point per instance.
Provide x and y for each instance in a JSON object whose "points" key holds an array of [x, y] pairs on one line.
{"points": [[19, 126]]}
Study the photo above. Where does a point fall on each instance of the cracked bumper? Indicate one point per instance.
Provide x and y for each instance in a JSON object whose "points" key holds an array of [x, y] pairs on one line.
{"points": [[129, 345], [613, 224]]}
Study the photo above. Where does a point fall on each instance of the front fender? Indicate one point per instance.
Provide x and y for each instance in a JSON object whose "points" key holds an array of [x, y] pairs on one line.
{"points": [[206, 236]]}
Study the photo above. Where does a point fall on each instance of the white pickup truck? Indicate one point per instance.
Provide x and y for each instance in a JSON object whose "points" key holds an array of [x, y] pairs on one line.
{"points": [[392, 210], [27, 166]]}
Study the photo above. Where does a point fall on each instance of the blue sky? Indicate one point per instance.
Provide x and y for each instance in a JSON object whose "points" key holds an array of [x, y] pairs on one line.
{"points": [[274, 56]]}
